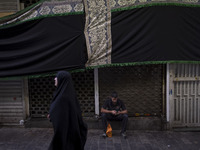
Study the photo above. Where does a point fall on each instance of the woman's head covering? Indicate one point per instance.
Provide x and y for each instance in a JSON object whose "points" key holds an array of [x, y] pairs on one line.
{"points": [[70, 132], [63, 80]]}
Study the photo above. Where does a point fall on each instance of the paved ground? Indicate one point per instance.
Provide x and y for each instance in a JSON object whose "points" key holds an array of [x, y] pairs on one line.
{"points": [[39, 139]]}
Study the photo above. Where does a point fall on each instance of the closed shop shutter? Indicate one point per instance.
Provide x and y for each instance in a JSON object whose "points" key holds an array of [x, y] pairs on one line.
{"points": [[140, 87], [184, 95], [41, 93], [11, 101], [9, 6]]}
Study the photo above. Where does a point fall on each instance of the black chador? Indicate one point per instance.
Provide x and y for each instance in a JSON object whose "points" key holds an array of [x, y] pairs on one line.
{"points": [[70, 132]]}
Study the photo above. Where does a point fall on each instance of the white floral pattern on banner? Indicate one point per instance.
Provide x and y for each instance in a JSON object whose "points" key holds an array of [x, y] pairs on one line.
{"points": [[98, 32], [142, 1], [190, 1], [61, 9], [126, 2], [112, 3], [45, 10], [162, 0], [78, 7]]}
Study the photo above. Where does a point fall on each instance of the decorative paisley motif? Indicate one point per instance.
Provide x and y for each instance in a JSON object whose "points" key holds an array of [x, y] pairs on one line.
{"points": [[142, 1], [98, 31], [126, 2], [190, 1], [112, 3], [61, 9], [78, 7], [45, 10]]}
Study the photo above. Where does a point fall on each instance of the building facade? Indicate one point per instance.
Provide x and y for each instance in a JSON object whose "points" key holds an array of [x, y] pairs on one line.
{"points": [[168, 92]]}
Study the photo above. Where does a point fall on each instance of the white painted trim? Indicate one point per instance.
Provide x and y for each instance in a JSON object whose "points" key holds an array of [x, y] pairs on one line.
{"points": [[167, 93], [96, 90]]}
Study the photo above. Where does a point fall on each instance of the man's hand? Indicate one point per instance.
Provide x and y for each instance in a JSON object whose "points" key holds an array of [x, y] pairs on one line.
{"points": [[114, 112], [122, 112], [118, 113]]}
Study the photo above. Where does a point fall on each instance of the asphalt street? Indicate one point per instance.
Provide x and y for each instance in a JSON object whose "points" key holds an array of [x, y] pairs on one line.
{"points": [[20, 138]]}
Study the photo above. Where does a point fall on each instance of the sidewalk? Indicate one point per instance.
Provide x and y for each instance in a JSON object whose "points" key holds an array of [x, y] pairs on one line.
{"points": [[20, 138]]}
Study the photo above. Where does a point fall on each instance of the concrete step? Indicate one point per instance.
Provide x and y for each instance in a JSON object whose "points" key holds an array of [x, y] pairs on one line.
{"points": [[134, 123], [186, 129]]}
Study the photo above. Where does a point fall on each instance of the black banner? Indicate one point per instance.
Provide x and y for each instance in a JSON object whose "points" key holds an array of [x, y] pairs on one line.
{"points": [[156, 33], [43, 45], [148, 34]]}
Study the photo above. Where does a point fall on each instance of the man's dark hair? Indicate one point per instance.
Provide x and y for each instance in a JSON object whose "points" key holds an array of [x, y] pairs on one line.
{"points": [[114, 95]]}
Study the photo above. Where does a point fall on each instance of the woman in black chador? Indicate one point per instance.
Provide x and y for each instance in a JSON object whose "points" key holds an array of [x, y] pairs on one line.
{"points": [[70, 132]]}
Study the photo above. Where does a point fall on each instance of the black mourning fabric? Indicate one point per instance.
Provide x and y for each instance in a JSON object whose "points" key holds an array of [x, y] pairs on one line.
{"points": [[70, 132], [44, 45], [157, 33]]}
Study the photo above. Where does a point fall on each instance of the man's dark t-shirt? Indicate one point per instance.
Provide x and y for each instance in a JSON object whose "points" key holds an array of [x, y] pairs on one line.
{"points": [[108, 104]]}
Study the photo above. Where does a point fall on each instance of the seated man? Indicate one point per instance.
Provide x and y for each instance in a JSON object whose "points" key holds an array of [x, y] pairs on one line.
{"points": [[114, 109]]}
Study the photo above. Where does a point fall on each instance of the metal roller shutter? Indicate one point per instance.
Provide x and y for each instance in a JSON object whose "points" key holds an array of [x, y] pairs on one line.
{"points": [[11, 101], [140, 87]]}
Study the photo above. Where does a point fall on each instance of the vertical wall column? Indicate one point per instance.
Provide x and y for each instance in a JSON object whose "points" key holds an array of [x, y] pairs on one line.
{"points": [[170, 94], [96, 90], [167, 93]]}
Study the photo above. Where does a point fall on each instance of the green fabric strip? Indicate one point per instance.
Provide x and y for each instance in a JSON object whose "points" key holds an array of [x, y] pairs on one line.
{"points": [[155, 4], [144, 63], [43, 75], [103, 66]]}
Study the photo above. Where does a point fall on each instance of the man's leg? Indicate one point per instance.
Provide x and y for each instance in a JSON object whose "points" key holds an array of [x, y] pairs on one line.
{"points": [[124, 119], [104, 121], [124, 122], [105, 118]]}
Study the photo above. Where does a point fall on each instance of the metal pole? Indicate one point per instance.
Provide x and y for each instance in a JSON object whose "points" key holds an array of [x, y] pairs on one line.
{"points": [[167, 93], [96, 90]]}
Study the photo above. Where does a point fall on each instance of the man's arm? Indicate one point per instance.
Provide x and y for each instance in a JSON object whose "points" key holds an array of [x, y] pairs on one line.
{"points": [[122, 112], [108, 111]]}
